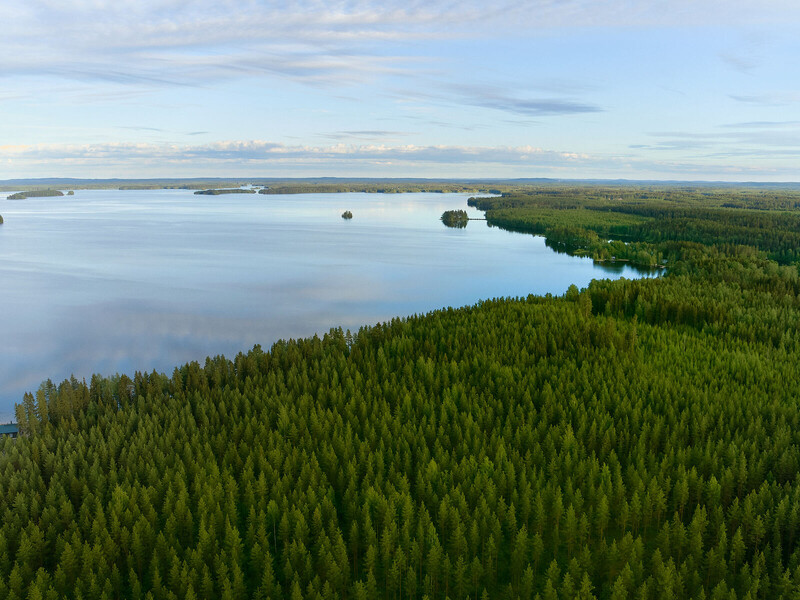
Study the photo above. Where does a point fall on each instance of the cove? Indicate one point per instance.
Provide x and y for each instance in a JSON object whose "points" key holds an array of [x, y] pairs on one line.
{"points": [[110, 281]]}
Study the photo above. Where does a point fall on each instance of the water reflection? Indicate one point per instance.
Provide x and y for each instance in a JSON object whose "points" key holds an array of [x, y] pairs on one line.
{"points": [[612, 266], [457, 219], [118, 281]]}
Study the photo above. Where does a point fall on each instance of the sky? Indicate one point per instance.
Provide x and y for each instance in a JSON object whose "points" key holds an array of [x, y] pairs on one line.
{"points": [[635, 89]]}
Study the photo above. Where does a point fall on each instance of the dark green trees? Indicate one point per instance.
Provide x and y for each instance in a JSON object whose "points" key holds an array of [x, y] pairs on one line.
{"points": [[636, 439], [34, 194], [455, 218]]}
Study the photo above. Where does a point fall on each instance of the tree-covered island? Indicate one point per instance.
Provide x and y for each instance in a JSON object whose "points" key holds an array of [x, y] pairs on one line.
{"points": [[347, 215], [455, 218]]}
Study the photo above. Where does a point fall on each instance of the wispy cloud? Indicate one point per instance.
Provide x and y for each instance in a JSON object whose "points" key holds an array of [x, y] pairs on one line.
{"points": [[763, 125], [159, 130], [739, 63], [139, 128], [372, 71], [522, 103], [755, 139], [367, 134], [260, 158], [491, 97], [172, 42], [254, 155], [768, 99]]}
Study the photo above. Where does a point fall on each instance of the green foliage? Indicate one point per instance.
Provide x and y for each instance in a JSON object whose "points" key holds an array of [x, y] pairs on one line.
{"points": [[636, 439], [34, 194], [455, 218], [764, 219], [347, 215]]}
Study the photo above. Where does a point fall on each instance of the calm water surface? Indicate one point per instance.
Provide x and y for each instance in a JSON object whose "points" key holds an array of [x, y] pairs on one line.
{"points": [[118, 281]]}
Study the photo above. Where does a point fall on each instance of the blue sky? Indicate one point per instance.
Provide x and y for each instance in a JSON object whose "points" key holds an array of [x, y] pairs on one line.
{"points": [[679, 89]]}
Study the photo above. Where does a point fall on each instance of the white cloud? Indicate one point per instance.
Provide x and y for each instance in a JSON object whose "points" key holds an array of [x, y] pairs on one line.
{"points": [[64, 54], [175, 41], [256, 151], [254, 158]]}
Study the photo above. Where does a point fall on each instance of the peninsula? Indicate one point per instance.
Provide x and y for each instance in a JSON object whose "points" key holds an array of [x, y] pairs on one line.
{"points": [[219, 192], [34, 194]]}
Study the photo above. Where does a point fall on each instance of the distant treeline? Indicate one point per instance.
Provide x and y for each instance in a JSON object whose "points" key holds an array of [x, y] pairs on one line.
{"points": [[329, 184], [218, 192], [374, 188], [35, 194], [169, 186]]}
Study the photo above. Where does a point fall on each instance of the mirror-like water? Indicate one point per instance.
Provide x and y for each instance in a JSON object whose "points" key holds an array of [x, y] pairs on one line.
{"points": [[118, 281]]}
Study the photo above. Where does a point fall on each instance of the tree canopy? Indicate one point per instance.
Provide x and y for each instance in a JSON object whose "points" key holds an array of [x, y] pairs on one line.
{"points": [[455, 218], [635, 439]]}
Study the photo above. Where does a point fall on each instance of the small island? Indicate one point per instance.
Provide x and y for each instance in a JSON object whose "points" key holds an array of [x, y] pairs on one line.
{"points": [[347, 215], [1, 219], [34, 194], [455, 218], [225, 191], [71, 193]]}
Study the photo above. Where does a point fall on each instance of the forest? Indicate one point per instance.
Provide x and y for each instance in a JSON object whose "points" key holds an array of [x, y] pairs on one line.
{"points": [[637, 439], [578, 218]]}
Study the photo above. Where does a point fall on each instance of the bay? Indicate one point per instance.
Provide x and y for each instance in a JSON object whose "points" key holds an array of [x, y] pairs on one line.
{"points": [[110, 281]]}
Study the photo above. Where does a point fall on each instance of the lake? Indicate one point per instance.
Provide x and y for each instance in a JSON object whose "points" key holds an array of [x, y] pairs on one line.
{"points": [[111, 281]]}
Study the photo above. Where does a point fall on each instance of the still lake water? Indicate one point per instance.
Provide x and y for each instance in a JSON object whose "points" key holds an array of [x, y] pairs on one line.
{"points": [[117, 281]]}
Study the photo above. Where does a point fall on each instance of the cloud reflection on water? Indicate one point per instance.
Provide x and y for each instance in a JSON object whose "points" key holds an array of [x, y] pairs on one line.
{"points": [[110, 281]]}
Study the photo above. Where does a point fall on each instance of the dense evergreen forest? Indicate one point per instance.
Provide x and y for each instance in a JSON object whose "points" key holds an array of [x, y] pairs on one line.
{"points": [[636, 439], [765, 219]]}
